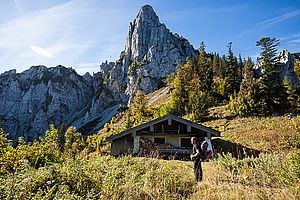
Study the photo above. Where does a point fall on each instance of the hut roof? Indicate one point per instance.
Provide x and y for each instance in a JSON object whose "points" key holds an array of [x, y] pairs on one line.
{"points": [[161, 119]]}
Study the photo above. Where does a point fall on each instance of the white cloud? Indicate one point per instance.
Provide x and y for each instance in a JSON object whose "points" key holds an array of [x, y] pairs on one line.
{"points": [[290, 37], [279, 18], [18, 6], [42, 52], [291, 42], [70, 33], [90, 67]]}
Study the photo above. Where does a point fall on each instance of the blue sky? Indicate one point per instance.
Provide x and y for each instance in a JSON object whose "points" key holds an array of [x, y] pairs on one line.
{"points": [[83, 33]]}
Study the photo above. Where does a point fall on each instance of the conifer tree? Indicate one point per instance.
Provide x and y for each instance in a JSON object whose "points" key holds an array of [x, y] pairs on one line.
{"points": [[231, 73], [179, 94], [223, 66], [192, 87], [199, 94], [204, 70], [240, 68], [216, 65], [244, 103], [272, 94], [248, 74]]}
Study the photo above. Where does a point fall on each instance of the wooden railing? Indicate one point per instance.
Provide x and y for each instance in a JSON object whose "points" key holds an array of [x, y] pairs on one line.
{"points": [[175, 151]]}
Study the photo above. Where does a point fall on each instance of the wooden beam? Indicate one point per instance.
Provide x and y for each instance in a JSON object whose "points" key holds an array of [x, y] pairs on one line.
{"points": [[178, 135], [189, 128], [209, 135], [151, 128], [133, 133], [169, 122]]}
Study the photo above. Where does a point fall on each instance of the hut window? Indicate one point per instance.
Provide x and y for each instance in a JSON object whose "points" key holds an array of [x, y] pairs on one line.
{"points": [[185, 142], [159, 140]]}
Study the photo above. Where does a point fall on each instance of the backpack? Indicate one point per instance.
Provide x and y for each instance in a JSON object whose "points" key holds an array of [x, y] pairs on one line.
{"points": [[206, 154]]}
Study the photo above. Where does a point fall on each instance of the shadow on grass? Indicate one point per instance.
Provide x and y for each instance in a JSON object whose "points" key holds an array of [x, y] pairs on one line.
{"points": [[238, 151]]}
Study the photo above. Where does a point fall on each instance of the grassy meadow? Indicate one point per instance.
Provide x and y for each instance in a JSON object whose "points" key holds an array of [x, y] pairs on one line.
{"points": [[274, 174]]}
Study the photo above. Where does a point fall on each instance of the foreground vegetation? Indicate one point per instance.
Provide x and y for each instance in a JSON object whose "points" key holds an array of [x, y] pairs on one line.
{"points": [[105, 177], [64, 164], [74, 168]]}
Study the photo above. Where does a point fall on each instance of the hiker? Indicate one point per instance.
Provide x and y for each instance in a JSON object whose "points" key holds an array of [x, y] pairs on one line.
{"points": [[199, 153]]}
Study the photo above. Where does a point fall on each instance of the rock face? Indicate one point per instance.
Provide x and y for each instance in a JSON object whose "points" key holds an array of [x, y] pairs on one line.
{"points": [[31, 100], [285, 62], [151, 53], [287, 69]]}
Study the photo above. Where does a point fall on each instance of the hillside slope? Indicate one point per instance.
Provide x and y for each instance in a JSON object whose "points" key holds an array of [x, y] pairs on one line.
{"points": [[269, 176]]}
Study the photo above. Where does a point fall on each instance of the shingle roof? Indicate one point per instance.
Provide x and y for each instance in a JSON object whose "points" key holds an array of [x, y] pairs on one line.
{"points": [[161, 119]]}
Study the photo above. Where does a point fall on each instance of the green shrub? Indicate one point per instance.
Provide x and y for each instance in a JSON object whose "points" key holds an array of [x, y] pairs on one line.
{"points": [[104, 177]]}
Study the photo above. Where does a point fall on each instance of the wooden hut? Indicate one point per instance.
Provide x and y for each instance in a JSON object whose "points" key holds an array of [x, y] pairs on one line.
{"points": [[168, 135]]}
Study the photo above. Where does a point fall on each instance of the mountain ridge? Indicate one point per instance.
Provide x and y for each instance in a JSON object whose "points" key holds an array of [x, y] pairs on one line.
{"points": [[36, 97]]}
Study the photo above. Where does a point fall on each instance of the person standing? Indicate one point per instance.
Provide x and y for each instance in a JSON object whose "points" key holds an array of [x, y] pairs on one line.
{"points": [[197, 156]]}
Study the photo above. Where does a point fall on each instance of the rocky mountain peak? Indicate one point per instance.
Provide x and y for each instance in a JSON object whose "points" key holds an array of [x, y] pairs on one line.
{"points": [[284, 56], [147, 14], [31, 100], [151, 52], [141, 31]]}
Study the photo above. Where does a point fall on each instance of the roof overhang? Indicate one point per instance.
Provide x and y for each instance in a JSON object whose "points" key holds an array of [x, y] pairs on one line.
{"points": [[214, 133]]}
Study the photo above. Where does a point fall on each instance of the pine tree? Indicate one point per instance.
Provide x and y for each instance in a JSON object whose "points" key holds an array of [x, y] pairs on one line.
{"points": [[200, 86], [204, 70], [244, 104], [248, 74], [223, 66], [292, 95], [216, 65], [240, 68], [272, 94], [231, 73]]}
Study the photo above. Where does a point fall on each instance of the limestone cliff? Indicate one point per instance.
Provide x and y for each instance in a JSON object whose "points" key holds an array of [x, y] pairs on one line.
{"points": [[31, 100], [151, 53], [287, 61]]}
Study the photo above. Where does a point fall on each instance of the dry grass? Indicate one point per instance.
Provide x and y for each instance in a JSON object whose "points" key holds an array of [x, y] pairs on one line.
{"points": [[159, 97], [266, 134], [220, 184], [106, 177]]}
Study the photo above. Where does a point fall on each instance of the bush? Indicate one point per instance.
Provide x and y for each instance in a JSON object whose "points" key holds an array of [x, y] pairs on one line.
{"points": [[104, 177]]}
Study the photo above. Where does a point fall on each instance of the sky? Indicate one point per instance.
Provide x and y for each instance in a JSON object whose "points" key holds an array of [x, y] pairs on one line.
{"points": [[84, 33]]}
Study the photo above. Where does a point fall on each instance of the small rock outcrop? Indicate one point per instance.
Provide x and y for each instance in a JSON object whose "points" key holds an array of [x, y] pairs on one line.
{"points": [[285, 64], [287, 71]]}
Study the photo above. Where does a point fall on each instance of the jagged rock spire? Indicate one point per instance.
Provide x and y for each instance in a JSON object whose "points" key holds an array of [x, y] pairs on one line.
{"points": [[152, 52], [147, 14]]}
